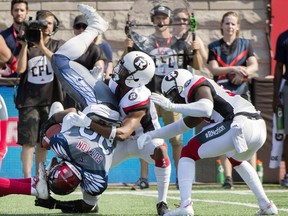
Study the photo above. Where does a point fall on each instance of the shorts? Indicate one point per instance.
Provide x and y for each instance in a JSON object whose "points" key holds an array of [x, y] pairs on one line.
{"points": [[29, 124], [169, 117]]}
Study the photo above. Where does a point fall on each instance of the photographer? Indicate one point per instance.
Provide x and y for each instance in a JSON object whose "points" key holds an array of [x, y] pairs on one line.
{"points": [[38, 87]]}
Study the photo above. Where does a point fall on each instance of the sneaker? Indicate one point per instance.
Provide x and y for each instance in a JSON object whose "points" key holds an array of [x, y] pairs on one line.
{"points": [[55, 107], [271, 209], [41, 183], [228, 183], [94, 20], [187, 210], [162, 208], [140, 184], [284, 182]]}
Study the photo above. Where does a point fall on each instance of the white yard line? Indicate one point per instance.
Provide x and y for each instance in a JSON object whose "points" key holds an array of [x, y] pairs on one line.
{"points": [[155, 194]]}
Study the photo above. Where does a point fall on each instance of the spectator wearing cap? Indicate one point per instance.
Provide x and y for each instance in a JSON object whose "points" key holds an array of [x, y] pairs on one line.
{"points": [[79, 25]]}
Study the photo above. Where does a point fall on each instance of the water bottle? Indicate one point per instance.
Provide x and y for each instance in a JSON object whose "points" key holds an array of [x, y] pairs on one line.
{"points": [[220, 177], [280, 118], [259, 169]]}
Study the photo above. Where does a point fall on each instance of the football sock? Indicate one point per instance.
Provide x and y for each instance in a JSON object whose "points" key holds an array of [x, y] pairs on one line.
{"points": [[186, 173], [249, 175], [15, 186], [163, 180]]}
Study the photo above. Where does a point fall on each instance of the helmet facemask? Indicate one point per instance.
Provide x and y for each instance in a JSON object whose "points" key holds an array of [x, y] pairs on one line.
{"points": [[174, 94]]}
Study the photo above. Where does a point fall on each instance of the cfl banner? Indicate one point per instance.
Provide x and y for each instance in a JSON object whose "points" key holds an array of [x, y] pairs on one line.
{"points": [[277, 145]]}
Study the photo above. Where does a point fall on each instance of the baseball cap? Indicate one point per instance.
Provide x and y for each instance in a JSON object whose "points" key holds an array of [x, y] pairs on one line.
{"points": [[80, 19], [161, 10]]}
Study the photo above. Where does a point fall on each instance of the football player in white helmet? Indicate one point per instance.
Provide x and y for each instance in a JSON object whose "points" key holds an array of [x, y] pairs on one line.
{"points": [[235, 129], [127, 85], [138, 115]]}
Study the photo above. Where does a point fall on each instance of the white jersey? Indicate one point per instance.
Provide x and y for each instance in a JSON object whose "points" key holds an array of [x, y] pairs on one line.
{"points": [[226, 103], [137, 99]]}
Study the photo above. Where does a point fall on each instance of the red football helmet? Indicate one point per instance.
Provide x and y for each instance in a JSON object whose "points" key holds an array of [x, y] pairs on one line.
{"points": [[63, 178]]}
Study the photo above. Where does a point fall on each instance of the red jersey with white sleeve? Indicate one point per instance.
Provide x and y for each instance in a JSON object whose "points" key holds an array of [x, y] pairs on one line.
{"points": [[137, 99], [226, 103]]}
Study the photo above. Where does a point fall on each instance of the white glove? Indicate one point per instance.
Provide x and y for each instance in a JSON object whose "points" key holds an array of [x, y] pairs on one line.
{"points": [[143, 140], [162, 101], [80, 120]]}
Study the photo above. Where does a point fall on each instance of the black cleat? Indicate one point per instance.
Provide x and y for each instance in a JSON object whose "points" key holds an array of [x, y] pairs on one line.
{"points": [[228, 183], [140, 184], [162, 208]]}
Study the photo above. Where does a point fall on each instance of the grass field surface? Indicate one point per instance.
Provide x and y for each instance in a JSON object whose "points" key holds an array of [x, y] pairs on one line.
{"points": [[208, 200]]}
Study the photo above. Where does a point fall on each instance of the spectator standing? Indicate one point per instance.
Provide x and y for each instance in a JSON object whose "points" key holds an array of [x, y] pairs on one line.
{"points": [[280, 94], [19, 12], [232, 61], [37, 90]]}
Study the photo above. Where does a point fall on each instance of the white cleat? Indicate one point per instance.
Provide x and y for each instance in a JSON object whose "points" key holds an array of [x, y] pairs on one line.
{"points": [[41, 186], [55, 107], [182, 211], [94, 20], [271, 209]]}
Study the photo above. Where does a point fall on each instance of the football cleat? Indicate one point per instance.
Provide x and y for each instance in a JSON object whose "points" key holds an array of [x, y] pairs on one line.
{"points": [[141, 183], [94, 20], [41, 183], [162, 208], [271, 209], [228, 183], [183, 211]]}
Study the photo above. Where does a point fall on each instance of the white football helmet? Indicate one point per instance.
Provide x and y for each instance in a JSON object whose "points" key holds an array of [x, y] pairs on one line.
{"points": [[135, 69], [173, 84]]}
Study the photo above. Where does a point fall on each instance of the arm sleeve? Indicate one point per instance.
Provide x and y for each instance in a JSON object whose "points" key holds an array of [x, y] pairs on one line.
{"points": [[170, 130], [200, 108]]}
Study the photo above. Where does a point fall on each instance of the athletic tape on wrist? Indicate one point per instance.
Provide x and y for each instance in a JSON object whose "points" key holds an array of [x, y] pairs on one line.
{"points": [[112, 134]]}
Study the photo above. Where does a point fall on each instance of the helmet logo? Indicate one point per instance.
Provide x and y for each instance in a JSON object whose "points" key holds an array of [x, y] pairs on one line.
{"points": [[140, 63], [171, 76]]}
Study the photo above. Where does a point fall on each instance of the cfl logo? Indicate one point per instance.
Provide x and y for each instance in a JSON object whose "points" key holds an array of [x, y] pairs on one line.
{"points": [[140, 63]]}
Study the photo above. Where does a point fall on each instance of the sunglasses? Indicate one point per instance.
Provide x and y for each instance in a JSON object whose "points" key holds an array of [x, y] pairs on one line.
{"points": [[80, 26], [178, 19]]}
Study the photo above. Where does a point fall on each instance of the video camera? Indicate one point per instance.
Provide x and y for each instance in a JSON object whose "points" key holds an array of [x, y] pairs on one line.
{"points": [[32, 29]]}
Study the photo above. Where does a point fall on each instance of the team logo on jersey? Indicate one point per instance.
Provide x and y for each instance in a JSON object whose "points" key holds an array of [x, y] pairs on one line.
{"points": [[132, 96], [140, 63]]}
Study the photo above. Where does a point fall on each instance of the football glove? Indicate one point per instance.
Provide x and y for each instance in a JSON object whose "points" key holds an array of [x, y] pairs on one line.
{"points": [[80, 120], [162, 101]]}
